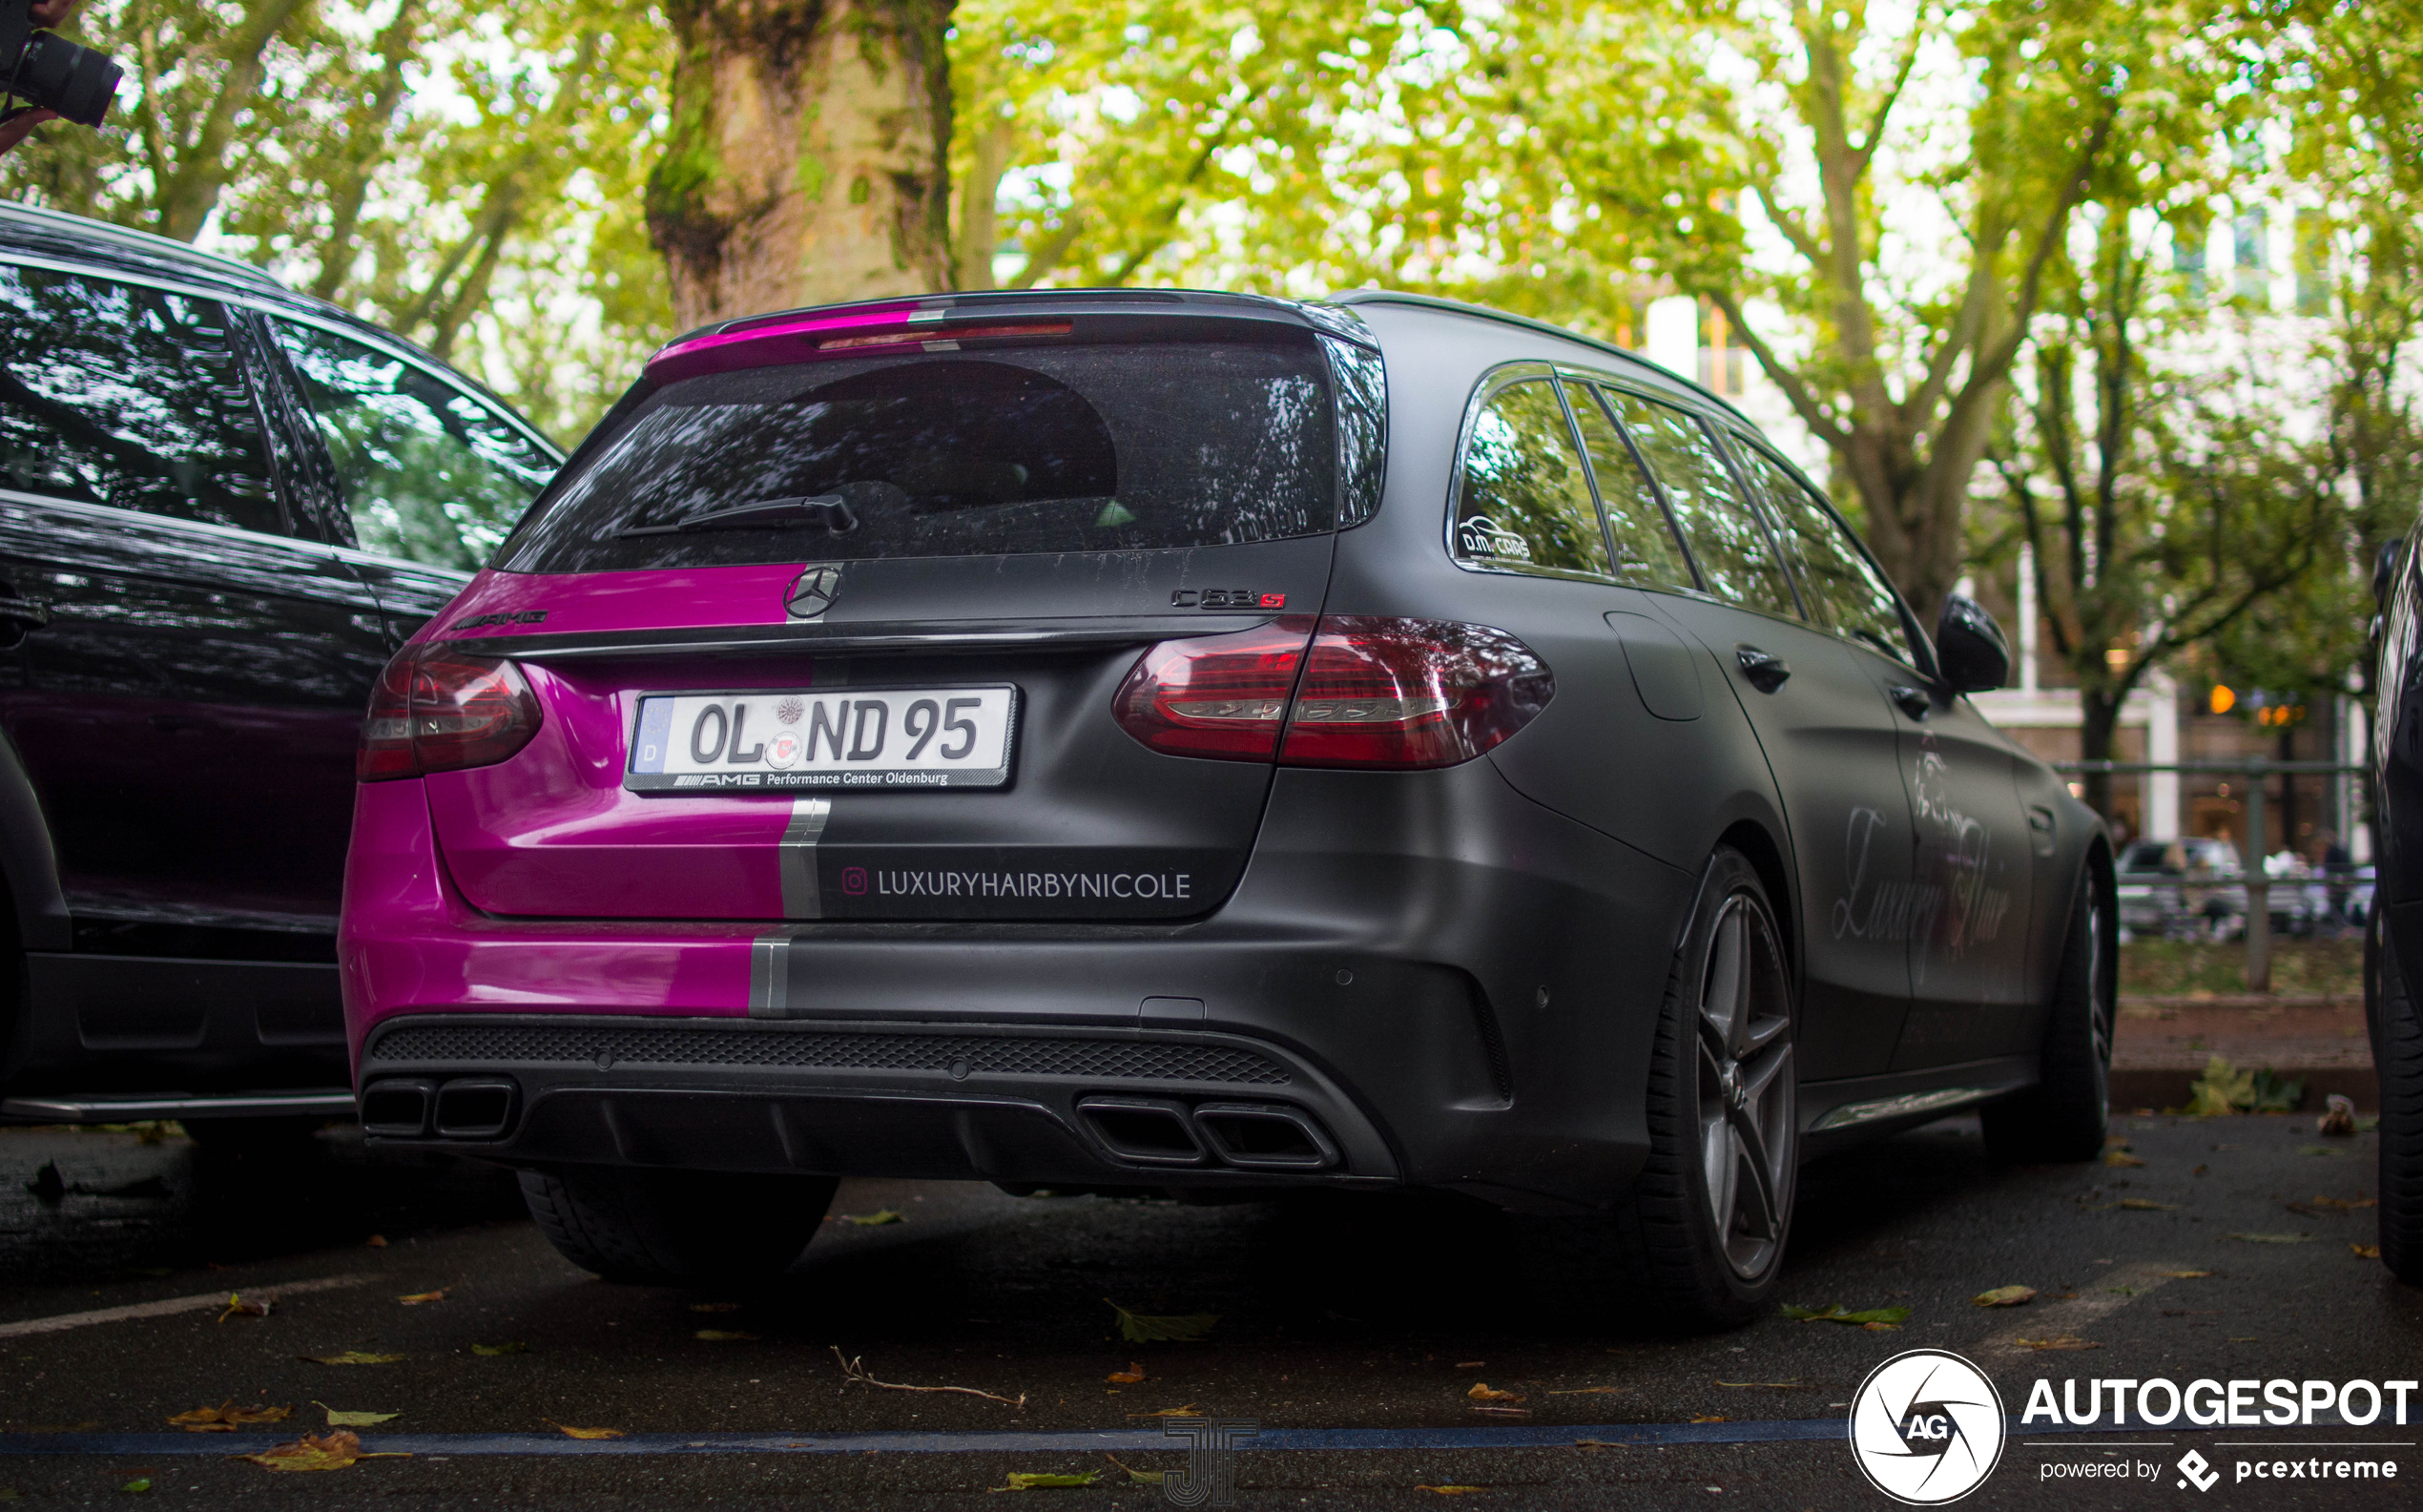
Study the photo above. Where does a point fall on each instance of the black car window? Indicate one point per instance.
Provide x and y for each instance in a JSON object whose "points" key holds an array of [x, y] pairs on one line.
{"points": [[1732, 549], [427, 472], [1094, 447], [130, 396], [1844, 590], [1525, 501], [1637, 527]]}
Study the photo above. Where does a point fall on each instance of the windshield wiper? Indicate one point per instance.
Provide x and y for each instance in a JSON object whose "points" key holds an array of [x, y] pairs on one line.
{"points": [[829, 510]]}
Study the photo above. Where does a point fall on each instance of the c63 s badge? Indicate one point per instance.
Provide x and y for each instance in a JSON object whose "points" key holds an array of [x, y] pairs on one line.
{"points": [[1226, 598]]}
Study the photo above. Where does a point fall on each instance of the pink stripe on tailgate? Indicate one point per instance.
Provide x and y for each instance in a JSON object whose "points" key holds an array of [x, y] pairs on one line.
{"points": [[585, 603]]}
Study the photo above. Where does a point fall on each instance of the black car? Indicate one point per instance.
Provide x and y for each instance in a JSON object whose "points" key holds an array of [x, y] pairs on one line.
{"points": [[2394, 924], [1153, 741], [222, 508]]}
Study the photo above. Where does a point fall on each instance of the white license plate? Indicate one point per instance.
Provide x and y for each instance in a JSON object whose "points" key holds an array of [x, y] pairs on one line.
{"points": [[880, 738]]}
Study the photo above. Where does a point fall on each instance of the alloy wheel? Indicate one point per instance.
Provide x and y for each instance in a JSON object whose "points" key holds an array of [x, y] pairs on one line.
{"points": [[1746, 1095]]}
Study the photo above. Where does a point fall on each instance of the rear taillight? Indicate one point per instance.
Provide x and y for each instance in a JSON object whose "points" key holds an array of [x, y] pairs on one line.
{"points": [[438, 708], [1398, 694]]}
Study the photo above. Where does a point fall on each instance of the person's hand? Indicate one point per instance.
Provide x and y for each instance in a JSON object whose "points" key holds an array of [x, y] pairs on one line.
{"points": [[19, 125], [49, 15]]}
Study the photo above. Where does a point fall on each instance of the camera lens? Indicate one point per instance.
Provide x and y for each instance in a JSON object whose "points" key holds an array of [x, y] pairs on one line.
{"points": [[75, 81]]}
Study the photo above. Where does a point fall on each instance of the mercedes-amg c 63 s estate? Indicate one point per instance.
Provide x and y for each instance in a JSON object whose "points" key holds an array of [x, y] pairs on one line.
{"points": [[1186, 742]]}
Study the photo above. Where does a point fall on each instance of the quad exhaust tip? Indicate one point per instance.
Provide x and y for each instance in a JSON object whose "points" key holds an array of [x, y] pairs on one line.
{"points": [[462, 1108], [1247, 1136]]}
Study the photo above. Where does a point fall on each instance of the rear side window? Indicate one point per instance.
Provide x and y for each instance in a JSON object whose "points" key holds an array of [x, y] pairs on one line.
{"points": [[132, 397], [1844, 591], [1101, 448], [1525, 500], [427, 473], [1644, 541], [1729, 544]]}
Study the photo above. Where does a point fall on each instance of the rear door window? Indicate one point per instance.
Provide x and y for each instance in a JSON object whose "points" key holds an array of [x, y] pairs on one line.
{"points": [[1642, 538], [115, 394], [1525, 500], [1729, 544], [1844, 590], [427, 472], [1103, 447]]}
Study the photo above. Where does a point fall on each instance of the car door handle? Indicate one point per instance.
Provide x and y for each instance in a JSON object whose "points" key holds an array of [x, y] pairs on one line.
{"points": [[1911, 701], [24, 611], [1765, 671]]}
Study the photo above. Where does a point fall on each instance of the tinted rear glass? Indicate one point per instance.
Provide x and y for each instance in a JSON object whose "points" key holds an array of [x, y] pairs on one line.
{"points": [[1101, 448]]}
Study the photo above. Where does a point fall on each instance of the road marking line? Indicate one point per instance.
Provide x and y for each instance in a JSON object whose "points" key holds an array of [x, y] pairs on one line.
{"points": [[1527, 1435], [174, 1304], [2067, 1317]]}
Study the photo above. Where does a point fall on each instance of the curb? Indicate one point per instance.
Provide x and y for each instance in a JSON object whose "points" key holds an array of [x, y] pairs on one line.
{"points": [[2160, 1086]]}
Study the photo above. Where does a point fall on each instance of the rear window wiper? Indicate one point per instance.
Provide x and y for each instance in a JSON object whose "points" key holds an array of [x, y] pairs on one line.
{"points": [[828, 510]]}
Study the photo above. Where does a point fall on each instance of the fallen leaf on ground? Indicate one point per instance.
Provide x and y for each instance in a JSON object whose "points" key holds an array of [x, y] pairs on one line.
{"points": [[1833, 1312], [138, 1486], [2345, 1204], [2202, 1171], [2338, 1122], [715, 1307], [355, 1419], [1130, 1376], [1454, 1490], [419, 1297], [355, 1357], [2145, 1205], [227, 1418], [334, 1451], [2185, 1276], [2366, 1252], [1037, 1480], [1588, 1391], [1189, 1410], [2005, 1296], [238, 1306], [517, 1347], [1771, 1385], [725, 1336], [1136, 1476], [2059, 1341], [2244, 1339], [377, 1241], [2274, 1238], [1144, 1328], [2121, 1157], [1482, 1391], [582, 1432], [873, 1220], [1709, 1416]]}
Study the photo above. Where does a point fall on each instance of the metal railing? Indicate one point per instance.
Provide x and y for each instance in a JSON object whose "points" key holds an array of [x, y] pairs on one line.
{"points": [[2256, 881]]}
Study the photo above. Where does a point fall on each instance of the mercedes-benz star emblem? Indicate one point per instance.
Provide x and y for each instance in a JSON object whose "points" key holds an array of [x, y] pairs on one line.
{"points": [[813, 592]]}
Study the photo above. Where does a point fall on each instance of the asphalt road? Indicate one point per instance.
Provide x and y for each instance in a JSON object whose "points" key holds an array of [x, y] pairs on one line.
{"points": [[1378, 1317]]}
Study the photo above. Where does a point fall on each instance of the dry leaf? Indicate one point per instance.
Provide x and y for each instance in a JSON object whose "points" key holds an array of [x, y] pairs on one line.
{"points": [[2005, 1296], [227, 1418], [2062, 1341], [351, 1357], [2185, 1276], [238, 1306], [1136, 1476], [138, 1486], [1134, 1374], [2145, 1205], [2121, 1157], [377, 1241], [724, 1336], [1835, 1313], [334, 1451], [874, 1220], [1881, 1328], [582, 1432], [1482, 1391], [355, 1419], [2366, 1252], [2274, 1238], [1710, 1416], [1189, 1410], [1140, 1328], [2344, 1204], [1033, 1481], [419, 1297], [517, 1347]]}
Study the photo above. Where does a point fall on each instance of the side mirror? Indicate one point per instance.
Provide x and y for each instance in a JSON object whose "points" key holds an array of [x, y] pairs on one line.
{"points": [[1968, 647]]}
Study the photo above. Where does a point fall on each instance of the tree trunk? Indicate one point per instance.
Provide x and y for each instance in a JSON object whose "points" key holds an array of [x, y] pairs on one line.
{"points": [[368, 122], [808, 157], [191, 192], [2098, 722]]}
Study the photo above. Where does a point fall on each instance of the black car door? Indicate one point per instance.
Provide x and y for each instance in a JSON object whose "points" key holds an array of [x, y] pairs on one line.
{"points": [[421, 477], [187, 707], [1969, 979], [1829, 740]]}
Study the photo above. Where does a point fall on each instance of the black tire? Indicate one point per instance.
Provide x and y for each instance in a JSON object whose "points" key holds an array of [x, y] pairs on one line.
{"points": [[667, 1228], [1704, 1224], [2064, 1117], [2397, 1055]]}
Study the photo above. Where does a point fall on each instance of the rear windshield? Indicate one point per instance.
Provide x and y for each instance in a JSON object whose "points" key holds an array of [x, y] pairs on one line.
{"points": [[1100, 448]]}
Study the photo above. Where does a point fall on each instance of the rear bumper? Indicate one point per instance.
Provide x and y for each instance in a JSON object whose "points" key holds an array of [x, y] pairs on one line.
{"points": [[1448, 984]]}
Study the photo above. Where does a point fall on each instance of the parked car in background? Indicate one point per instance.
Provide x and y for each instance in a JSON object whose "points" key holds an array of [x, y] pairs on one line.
{"points": [[1151, 741], [222, 508], [2394, 924], [2181, 889]]}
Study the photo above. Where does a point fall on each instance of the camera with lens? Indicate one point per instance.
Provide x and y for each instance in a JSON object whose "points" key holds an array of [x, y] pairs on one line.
{"points": [[47, 69]]}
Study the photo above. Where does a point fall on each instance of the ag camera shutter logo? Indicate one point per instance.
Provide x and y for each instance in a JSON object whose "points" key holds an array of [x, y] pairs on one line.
{"points": [[1926, 1427]]}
